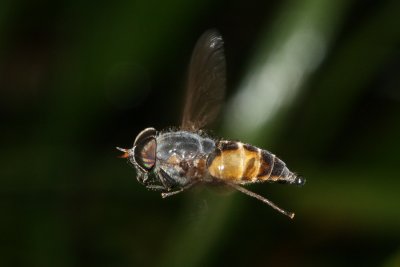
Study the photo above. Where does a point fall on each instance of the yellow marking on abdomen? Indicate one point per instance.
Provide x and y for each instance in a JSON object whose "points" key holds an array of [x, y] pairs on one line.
{"points": [[236, 162]]}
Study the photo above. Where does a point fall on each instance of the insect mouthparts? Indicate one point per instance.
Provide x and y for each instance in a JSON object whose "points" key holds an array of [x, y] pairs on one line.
{"points": [[126, 153]]}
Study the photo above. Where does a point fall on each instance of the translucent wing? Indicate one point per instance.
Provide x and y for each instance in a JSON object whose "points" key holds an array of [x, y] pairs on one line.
{"points": [[206, 82]]}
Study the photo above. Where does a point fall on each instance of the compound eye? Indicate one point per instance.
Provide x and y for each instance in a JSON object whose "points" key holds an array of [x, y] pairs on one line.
{"points": [[145, 135], [145, 154]]}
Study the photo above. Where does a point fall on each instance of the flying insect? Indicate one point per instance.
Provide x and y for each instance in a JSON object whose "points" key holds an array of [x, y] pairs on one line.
{"points": [[172, 161]]}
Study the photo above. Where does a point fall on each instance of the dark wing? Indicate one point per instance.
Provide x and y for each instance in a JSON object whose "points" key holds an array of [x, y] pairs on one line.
{"points": [[206, 82]]}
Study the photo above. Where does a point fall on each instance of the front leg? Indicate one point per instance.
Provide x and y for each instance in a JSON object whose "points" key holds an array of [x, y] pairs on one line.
{"points": [[155, 187]]}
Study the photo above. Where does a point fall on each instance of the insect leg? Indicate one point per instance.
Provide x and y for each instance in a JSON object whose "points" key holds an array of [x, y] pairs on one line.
{"points": [[261, 198], [164, 178], [155, 187], [168, 194], [142, 178]]}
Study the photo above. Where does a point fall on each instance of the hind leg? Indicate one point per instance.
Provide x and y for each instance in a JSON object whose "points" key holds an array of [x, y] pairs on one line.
{"points": [[171, 193], [261, 198]]}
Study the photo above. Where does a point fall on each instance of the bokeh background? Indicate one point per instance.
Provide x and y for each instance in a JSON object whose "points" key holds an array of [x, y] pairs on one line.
{"points": [[314, 81]]}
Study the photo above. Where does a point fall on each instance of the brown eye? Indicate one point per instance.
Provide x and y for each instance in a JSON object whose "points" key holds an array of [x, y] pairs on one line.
{"points": [[145, 149], [144, 135], [145, 154]]}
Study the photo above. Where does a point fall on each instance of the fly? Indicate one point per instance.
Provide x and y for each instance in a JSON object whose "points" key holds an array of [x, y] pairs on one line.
{"points": [[173, 161]]}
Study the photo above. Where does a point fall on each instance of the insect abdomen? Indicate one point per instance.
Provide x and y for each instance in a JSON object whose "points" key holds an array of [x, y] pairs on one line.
{"points": [[243, 163]]}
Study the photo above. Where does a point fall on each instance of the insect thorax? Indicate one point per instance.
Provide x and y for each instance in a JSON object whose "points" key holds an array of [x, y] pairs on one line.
{"points": [[182, 157]]}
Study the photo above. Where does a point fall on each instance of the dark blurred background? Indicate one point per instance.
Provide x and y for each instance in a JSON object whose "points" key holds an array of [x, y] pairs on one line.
{"points": [[315, 82]]}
